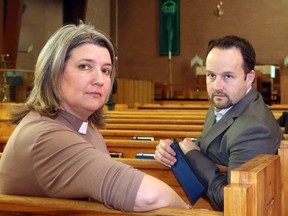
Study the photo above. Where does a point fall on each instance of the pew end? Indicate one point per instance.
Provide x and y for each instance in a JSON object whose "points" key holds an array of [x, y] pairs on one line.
{"points": [[283, 153], [254, 190]]}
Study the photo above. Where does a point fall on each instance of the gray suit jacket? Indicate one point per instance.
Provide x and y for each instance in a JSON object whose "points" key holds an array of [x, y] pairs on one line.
{"points": [[247, 129]]}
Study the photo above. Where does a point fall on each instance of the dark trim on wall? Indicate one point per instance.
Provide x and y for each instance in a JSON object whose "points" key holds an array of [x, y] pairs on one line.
{"points": [[74, 11], [2, 20]]}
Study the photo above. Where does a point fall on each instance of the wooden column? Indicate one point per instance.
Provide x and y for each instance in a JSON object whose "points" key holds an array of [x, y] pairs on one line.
{"points": [[12, 27], [283, 85]]}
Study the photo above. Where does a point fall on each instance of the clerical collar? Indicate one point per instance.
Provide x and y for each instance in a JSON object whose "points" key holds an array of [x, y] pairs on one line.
{"points": [[83, 128]]}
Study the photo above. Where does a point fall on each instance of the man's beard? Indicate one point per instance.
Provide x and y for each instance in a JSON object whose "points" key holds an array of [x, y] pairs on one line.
{"points": [[221, 105]]}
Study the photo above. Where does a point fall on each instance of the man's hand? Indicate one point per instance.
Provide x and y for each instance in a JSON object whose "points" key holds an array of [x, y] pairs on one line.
{"points": [[187, 145], [164, 153]]}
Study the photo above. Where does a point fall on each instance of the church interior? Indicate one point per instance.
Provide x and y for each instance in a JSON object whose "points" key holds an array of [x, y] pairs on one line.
{"points": [[160, 70]]}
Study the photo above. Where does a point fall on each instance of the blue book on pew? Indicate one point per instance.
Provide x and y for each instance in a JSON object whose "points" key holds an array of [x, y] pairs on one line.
{"points": [[145, 156], [185, 175]]}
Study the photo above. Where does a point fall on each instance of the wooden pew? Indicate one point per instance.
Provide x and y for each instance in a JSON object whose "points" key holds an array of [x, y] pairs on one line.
{"points": [[122, 139], [118, 107], [157, 135], [194, 106], [128, 130], [155, 116], [148, 114], [136, 120], [167, 132], [6, 128], [284, 194], [23, 205], [150, 126], [244, 196], [279, 107], [276, 109], [200, 105], [253, 185], [158, 111], [164, 114], [180, 106], [129, 148], [122, 120], [154, 168]]}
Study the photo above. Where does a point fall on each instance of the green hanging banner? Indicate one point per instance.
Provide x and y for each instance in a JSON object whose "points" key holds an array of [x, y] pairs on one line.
{"points": [[169, 27]]}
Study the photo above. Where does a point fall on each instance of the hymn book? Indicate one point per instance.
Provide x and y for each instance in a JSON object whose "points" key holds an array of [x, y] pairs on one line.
{"points": [[185, 175]]}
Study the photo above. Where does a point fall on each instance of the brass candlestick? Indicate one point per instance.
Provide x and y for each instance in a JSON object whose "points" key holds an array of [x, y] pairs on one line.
{"points": [[5, 89]]}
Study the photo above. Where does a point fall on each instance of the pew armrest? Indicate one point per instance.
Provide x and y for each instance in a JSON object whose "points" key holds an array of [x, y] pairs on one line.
{"points": [[254, 188]]}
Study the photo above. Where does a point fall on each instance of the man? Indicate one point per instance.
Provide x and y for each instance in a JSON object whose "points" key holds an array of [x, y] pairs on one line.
{"points": [[238, 124]]}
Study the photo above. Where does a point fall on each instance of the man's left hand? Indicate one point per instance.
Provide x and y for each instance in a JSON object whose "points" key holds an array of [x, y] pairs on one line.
{"points": [[187, 145]]}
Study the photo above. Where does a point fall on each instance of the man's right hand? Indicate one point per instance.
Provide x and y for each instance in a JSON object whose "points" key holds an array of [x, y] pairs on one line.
{"points": [[164, 153]]}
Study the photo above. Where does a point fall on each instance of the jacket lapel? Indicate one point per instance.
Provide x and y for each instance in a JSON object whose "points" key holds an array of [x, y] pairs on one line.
{"points": [[211, 131]]}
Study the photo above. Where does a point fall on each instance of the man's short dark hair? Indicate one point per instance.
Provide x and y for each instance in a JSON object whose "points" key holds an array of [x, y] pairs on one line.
{"points": [[246, 49]]}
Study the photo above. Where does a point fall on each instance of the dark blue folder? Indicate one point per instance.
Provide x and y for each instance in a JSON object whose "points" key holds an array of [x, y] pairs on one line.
{"points": [[185, 175]]}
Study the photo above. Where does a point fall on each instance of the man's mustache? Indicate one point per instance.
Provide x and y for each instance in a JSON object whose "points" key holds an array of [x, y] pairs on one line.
{"points": [[219, 93]]}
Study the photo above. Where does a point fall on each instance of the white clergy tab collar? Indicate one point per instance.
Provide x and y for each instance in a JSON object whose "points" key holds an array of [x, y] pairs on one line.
{"points": [[83, 128]]}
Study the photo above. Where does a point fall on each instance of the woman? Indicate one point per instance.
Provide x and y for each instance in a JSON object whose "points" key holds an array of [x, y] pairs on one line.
{"points": [[56, 149]]}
